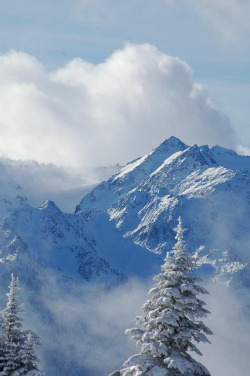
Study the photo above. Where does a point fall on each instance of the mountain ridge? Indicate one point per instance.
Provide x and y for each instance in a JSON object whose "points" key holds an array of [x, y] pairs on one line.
{"points": [[145, 198]]}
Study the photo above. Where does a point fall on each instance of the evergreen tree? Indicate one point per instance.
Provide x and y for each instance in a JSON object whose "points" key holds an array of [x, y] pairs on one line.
{"points": [[172, 320], [17, 346], [3, 346], [28, 353]]}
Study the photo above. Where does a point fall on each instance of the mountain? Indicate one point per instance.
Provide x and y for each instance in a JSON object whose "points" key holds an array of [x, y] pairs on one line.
{"points": [[120, 232], [208, 187]]}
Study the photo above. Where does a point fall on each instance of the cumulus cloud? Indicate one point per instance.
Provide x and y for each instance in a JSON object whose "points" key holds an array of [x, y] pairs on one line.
{"points": [[86, 114]]}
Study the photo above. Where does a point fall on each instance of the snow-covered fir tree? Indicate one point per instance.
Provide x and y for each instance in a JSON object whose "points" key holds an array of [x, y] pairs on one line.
{"points": [[172, 320], [17, 346]]}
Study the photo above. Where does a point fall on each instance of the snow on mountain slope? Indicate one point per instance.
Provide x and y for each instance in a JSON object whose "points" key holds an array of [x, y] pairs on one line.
{"points": [[124, 255], [146, 197], [230, 159], [148, 163], [65, 265], [59, 244], [38, 279], [51, 275], [86, 248]]}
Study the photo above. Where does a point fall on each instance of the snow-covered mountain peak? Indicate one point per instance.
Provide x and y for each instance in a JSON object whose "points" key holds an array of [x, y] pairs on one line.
{"points": [[150, 162], [132, 175], [219, 150], [173, 167], [170, 146], [49, 205], [230, 159], [191, 156]]}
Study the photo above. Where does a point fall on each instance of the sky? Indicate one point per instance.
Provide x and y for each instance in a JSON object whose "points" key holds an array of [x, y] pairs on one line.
{"points": [[99, 82]]}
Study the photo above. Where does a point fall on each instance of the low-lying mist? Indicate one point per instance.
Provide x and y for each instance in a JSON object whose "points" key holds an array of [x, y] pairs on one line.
{"points": [[84, 335], [40, 182]]}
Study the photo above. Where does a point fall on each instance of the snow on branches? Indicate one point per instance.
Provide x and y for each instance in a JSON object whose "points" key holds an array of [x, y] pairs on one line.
{"points": [[17, 346], [172, 320]]}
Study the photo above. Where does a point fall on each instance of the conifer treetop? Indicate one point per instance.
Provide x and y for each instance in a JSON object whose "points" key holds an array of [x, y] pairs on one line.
{"points": [[172, 320], [17, 346]]}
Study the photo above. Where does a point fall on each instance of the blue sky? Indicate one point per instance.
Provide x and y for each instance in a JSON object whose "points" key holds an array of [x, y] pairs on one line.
{"points": [[58, 31], [211, 37]]}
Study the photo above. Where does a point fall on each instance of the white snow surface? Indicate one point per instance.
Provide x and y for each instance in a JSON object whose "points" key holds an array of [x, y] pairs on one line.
{"points": [[130, 167]]}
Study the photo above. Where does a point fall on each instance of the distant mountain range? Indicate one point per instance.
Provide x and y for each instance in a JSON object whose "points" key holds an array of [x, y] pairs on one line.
{"points": [[124, 226]]}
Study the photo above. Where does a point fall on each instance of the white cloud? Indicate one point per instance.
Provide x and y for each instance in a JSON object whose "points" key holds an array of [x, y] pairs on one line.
{"points": [[106, 113], [243, 150]]}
